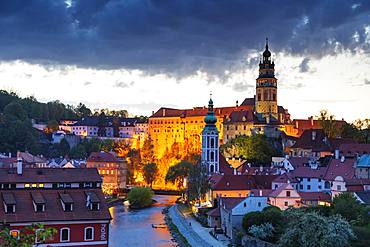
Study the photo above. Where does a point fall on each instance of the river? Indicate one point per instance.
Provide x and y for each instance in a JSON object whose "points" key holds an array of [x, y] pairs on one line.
{"points": [[134, 227]]}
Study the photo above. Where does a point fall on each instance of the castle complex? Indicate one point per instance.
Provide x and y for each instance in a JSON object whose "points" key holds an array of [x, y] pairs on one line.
{"points": [[258, 115]]}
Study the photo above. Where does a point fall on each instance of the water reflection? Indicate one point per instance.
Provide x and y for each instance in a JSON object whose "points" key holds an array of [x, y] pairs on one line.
{"points": [[134, 227]]}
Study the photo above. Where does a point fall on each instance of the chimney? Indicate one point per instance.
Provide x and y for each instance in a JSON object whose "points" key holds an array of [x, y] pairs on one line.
{"points": [[296, 124], [260, 192], [311, 120], [19, 166], [313, 135], [234, 171], [237, 103], [336, 152], [164, 113], [9, 154], [342, 159], [152, 112]]}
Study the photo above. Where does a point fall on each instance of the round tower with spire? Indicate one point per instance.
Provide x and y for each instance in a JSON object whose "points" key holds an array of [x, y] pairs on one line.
{"points": [[266, 86], [210, 138]]}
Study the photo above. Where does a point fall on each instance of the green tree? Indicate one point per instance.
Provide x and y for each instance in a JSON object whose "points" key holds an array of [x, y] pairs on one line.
{"points": [[263, 231], [147, 152], [346, 205], [140, 197], [328, 124], [255, 149], [27, 236], [53, 125], [312, 229], [198, 183], [150, 173], [177, 173], [82, 110]]}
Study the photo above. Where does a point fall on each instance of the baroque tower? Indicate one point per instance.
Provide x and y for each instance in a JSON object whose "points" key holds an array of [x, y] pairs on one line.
{"points": [[210, 146], [266, 86]]}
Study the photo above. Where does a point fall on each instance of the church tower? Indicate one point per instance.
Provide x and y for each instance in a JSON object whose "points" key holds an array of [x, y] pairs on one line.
{"points": [[210, 146], [266, 87]]}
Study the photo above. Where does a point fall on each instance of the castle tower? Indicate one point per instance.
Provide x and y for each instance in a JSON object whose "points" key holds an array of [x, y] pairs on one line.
{"points": [[210, 154], [266, 86]]}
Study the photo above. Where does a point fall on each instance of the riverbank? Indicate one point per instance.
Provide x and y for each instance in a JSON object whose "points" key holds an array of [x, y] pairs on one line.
{"points": [[191, 230], [175, 233]]}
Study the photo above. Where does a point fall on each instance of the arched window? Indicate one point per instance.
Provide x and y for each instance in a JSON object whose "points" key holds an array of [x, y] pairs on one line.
{"points": [[212, 142], [64, 234], [212, 169], [212, 156], [89, 233], [265, 95]]}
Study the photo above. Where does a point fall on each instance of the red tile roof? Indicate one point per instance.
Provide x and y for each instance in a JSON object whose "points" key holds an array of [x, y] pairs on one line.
{"points": [[53, 209], [257, 192], [214, 212], [284, 178], [312, 139], [102, 157], [243, 182], [241, 116], [230, 202], [197, 111], [352, 149], [308, 172], [337, 168], [276, 193], [305, 124], [225, 167], [315, 196], [50, 175]]}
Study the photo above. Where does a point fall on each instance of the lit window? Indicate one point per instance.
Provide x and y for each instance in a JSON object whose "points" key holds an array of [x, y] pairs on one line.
{"points": [[14, 234], [41, 185], [27, 185], [64, 235], [89, 233]]}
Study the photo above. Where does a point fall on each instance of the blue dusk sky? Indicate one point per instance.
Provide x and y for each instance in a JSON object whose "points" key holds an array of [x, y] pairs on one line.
{"points": [[140, 55]]}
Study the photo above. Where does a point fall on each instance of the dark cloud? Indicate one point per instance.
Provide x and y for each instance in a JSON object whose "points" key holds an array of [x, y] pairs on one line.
{"points": [[241, 87], [367, 82], [176, 36]]}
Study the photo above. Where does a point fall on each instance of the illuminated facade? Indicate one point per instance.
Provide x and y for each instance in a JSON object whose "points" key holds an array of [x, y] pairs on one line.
{"points": [[184, 127], [112, 169]]}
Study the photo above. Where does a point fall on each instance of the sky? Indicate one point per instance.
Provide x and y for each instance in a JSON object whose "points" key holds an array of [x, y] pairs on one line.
{"points": [[141, 55]]}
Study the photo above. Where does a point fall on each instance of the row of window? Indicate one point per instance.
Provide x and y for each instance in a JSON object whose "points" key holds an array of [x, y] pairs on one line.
{"points": [[64, 233]]}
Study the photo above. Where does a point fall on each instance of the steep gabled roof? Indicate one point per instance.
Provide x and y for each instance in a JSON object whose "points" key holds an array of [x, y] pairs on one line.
{"points": [[102, 157], [338, 168]]}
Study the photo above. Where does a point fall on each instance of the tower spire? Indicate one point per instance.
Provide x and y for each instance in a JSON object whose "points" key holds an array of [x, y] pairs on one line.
{"points": [[267, 44]]}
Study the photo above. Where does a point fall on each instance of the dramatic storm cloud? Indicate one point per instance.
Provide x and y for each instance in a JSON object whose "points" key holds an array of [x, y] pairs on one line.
{"points": [[176, 35], [118, 45]]}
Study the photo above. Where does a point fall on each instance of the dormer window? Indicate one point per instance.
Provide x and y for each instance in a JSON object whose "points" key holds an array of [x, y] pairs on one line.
{"points": [[92, 201], [9, 203], [66, 201], [38, 202]]}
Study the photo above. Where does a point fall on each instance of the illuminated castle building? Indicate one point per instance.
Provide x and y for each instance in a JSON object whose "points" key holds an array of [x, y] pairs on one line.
{"points": [[258, 115]]}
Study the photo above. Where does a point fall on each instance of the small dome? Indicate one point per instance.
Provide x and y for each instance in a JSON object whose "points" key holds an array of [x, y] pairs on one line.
{"points": [[267, 53]]}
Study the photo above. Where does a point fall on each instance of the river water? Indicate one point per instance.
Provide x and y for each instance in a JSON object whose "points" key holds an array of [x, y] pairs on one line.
{"points": [[134, 227]]}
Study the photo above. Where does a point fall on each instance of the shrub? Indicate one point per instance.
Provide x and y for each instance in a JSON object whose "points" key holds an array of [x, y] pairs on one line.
{"points": [[140, 197]]}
